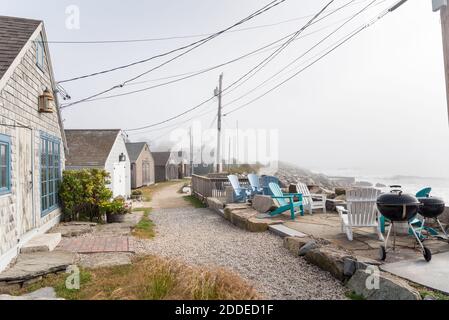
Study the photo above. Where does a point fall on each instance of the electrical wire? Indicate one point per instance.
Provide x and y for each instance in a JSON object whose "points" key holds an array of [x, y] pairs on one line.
{"points": [[189, 75], [184, 36], [349, 37], [204, 102], [192, 45], [305, 53]]}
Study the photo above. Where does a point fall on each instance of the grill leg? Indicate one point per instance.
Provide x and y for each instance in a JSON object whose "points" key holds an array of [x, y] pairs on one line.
{"points": [[416, 236], [388, 235], [441, 226]]}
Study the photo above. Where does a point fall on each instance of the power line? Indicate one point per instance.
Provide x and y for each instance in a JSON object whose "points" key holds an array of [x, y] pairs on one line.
{"points": [[192, 45], [293, 37], [353, 34], [305, 53], [182, 36], [204, 102]]}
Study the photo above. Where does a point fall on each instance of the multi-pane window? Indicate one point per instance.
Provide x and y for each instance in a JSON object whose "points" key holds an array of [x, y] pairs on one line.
{"points": [[50, 172], [40, 53], [5, 164]]}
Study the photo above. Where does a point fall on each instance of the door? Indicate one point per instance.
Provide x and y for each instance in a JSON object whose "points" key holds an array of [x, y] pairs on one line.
{"points": [[24, 153], [119, 180]]}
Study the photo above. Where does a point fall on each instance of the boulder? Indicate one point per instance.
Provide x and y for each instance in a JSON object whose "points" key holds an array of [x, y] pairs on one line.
{"points": [[390, 287], [340, 191], [263, 204], [293, 244], [307, 247], [331, 204], [329, 259], [363, 184], [47, 293]]}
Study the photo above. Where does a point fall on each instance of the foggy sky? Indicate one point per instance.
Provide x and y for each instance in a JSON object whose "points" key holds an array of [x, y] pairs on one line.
{"points": [[376, 105]]}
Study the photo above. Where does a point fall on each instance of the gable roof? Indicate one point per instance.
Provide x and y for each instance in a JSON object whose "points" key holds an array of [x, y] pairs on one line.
{"points": [[14, 34], [89, 148], [134, 150], [161, 158]]}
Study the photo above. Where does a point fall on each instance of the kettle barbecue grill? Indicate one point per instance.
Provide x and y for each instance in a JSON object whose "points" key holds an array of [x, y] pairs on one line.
{"points": [[397, 206], [431, 208]]}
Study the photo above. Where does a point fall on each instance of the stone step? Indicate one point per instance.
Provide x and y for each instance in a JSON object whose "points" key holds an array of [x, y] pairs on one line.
{"points": [[42, 243], [284, 231], [30, 266]]}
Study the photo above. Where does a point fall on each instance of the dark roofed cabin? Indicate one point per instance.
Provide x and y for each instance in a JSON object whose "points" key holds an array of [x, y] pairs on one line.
{"points": [[142, 164]]}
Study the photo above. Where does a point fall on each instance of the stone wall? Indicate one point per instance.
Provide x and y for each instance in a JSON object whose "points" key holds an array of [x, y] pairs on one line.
{"points": [[19, 107]]}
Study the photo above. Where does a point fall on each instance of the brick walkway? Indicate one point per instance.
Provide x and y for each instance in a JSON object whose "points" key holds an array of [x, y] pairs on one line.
{"points": [[96, 244]]}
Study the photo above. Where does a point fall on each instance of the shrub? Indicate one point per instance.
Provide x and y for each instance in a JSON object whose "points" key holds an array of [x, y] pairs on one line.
{"points": [[84, 194], [117, 206], [137, 192]]}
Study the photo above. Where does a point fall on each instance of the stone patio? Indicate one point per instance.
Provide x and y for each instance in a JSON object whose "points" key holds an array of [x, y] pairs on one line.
{"points": [[365, 244]]}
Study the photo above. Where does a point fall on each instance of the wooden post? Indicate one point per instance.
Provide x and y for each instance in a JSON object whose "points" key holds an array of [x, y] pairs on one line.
{"points": [[444, 11]]}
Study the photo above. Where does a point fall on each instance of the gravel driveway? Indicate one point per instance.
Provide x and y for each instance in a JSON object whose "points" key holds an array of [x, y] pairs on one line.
{"points": [[200, 236]]}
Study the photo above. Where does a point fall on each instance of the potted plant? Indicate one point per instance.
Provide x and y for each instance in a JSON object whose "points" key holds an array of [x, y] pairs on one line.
{"points": [[116, 210], [137, 195]]}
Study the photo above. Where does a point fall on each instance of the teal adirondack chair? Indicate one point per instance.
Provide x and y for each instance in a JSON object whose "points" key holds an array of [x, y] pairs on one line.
{"points": [[286, 201], [255, 184], [240, 194]]}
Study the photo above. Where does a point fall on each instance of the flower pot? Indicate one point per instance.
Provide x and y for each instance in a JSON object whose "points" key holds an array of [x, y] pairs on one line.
{"points": [[115, 218]]}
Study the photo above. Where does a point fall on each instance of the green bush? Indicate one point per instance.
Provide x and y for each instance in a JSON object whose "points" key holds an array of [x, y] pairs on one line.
{"points": [[84, 194], [137, 192]]}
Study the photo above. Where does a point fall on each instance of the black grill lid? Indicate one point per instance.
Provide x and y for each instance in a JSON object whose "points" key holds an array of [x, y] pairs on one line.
{"points": [[431, 201], [397, 198]]}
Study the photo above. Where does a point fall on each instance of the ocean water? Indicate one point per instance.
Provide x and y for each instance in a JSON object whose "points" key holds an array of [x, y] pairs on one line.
{"points": [[440, 186]]}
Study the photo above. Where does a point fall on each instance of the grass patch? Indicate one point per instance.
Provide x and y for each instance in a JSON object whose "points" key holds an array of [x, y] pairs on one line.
{"points": [[195, 202], [145, 228], [434, 294], [151, 278], [354, 296], [147, 192]]}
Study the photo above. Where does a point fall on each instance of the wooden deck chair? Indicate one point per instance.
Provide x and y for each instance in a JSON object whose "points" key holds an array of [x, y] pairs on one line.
{"points": [[286, 201], [240, 194], [311, 201], [361, 211], [254, 181]]}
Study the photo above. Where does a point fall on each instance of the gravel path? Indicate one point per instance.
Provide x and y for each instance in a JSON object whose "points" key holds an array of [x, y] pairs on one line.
{"points": [[200, 236]]}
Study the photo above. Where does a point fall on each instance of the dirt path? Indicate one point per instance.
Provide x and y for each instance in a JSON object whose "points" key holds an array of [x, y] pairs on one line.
{"points": [[202, 237], [167, 197]]}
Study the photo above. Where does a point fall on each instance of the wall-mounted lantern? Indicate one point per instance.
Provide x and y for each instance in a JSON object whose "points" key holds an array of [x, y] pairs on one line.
{"points": [[46, 102], [122, 157]]}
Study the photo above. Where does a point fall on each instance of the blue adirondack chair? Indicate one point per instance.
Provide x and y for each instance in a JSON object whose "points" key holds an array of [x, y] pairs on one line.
{"points": [[286, 201], [240, 194], [255, 184], [265, 181]]}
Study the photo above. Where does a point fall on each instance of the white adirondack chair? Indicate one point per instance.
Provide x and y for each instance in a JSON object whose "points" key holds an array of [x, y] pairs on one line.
{"points": [[311, 201], [361, 211]]}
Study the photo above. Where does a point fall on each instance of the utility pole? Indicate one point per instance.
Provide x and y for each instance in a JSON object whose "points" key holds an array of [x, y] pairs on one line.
{"points": [[442, 6], [191, 153], [218, 93]]}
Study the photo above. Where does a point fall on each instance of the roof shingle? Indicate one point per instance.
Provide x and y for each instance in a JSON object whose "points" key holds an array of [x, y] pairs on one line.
{"points": [[14, 34], [89, 148]]}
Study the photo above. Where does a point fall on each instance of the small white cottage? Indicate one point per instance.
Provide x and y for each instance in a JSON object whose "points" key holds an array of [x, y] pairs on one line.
{"points": [[31, 136], [101, 149]]}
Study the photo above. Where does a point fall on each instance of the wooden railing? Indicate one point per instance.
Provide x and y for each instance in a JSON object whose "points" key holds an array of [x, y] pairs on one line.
{"points": [[204, 187]]}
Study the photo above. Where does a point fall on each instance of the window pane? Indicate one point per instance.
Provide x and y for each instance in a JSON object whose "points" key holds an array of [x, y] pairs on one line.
{"points": [[3, 150], [3, 178]]}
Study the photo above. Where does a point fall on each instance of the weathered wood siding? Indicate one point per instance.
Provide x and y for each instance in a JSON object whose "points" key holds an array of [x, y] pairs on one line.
{"points": [[20, 210], [143, 171]]}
